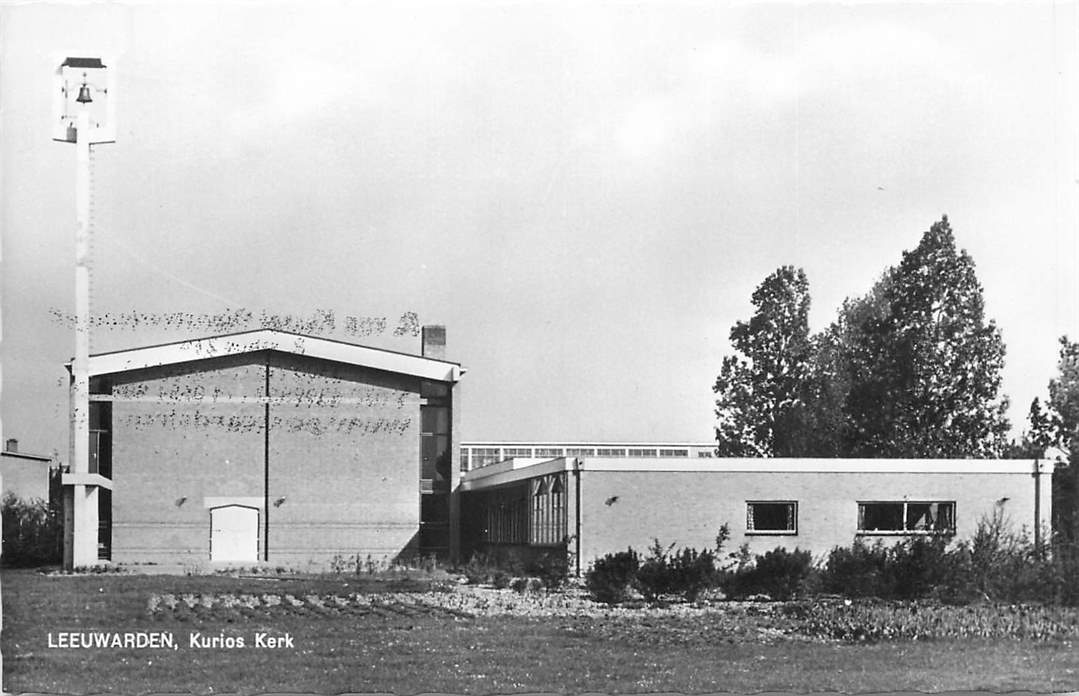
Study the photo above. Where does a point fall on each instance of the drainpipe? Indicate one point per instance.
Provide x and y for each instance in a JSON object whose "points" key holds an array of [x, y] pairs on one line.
{"points": [[577, 513], [1037, 507], [266, 467]]}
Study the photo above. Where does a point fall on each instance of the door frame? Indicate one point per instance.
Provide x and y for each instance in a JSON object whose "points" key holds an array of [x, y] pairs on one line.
{"points": [[258, 530]]}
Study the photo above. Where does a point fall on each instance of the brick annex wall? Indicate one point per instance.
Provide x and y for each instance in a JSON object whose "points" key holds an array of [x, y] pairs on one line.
{"points": [[343, 453], [688, 508]]}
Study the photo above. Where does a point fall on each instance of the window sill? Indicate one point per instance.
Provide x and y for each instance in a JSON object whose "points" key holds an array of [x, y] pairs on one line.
{"points": [[913, 532], [764, 532]]}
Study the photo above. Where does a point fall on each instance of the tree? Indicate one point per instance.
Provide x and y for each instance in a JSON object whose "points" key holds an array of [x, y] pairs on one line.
{"points": [[924, 363], [1064, 402], [1043, 432], [840, 361], [1064, 392], [761, 395], [912, 369]]}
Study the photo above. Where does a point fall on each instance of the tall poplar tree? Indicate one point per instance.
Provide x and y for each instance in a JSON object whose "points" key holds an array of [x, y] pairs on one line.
{"points": [[1064, 404], [925, 362], [760, 404]]}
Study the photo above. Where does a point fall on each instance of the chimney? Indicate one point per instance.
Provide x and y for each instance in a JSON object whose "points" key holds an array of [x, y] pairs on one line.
{"points": [[12, 445], [433, 340]]}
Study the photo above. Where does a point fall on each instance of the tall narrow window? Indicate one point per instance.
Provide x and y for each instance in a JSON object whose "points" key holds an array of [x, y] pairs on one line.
{"points": [[547, 522], [104, 524], [101, 438], [435, 466]]}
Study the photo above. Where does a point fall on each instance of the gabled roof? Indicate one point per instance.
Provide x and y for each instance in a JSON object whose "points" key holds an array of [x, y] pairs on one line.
{"points": [[273, 339]]}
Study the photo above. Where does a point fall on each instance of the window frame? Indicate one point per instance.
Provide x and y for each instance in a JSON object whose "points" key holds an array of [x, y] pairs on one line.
{"points": [[751, 531], [950, 531]]}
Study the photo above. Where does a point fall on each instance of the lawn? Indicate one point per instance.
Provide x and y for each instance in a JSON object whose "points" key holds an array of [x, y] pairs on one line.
{"points": [[357, 634]]}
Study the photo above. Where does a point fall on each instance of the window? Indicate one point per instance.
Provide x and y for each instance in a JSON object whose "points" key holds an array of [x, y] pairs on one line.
{"points": [[482, 456], [906, 517], [642, 452], [104, 524], [101, 438], [580, 452], [439, 391], [547, 523], [435, 445], [704, 454], [772, 517], [548, 451], [673, 453], [517, 452], [507, 516], [608, 452]]}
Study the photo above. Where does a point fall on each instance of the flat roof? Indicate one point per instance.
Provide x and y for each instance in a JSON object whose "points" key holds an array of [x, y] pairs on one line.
{"points": [[520, 469], [275, 340]]}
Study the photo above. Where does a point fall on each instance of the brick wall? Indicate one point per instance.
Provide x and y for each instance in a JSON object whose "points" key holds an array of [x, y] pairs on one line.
{"points": [[343, 454], [630, 508], [347, 463]]}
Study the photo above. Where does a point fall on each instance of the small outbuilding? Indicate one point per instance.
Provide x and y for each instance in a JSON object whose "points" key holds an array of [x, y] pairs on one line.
{"points": [[24, 475]]}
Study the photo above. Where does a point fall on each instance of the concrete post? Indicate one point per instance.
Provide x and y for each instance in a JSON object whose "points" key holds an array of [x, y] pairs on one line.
{"points": [[83, 536]]}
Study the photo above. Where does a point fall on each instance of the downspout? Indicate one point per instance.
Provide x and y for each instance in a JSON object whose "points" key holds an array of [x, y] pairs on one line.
{"points": [[577, 514], [266, 467], [1037, 508]]}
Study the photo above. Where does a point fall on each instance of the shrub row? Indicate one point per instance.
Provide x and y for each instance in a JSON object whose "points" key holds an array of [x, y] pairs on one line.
{"points": [[997, 564], [664, 571], [551, 568]]}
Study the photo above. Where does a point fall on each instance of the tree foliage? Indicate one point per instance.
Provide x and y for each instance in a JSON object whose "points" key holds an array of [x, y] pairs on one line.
{"points": [[926, 363], [1063, 416], [1064, 392], [911, 369], [761, 395]]}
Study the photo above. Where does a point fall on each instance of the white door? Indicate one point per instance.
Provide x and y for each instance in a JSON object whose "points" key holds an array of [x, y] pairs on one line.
{"points": [[234, 533]]}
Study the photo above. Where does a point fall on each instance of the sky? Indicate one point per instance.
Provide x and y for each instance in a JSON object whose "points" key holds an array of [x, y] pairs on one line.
{"points": [[585, 193]]}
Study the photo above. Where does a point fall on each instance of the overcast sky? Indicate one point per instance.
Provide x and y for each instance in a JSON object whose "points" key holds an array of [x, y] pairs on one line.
{"points": [[586, 194]]}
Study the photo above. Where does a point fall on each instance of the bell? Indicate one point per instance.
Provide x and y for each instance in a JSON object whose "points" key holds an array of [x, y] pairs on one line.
{"points": [[84, 94]]}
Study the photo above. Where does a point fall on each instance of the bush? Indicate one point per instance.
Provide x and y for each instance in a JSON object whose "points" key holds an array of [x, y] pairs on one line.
{"points": [[609, 578], [999, 564], [920, 566], [32, 532], [653, 578], [857, 571], [779, 573], [551, 567], [686, 572], [477, 570], [500, 580], [662, 572], [692, 572], [524, 585]]}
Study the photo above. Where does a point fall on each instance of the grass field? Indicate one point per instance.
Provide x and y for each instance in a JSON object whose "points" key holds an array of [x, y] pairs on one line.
{"points": [[390, 643]]}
